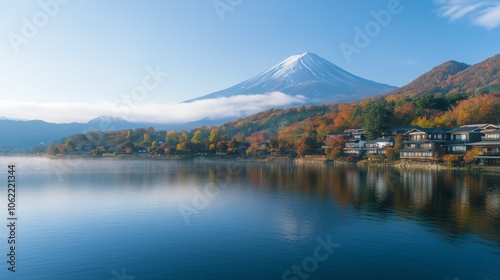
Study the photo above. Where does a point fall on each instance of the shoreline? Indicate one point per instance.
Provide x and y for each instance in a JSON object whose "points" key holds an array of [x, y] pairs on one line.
{"points": [[400, 164]]}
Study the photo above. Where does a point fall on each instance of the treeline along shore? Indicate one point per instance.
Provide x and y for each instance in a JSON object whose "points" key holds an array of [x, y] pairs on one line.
{"points": [[453, 129]]}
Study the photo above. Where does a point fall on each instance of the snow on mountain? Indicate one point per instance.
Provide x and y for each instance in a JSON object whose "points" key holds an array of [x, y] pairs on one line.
{"points": [[309, 75]]}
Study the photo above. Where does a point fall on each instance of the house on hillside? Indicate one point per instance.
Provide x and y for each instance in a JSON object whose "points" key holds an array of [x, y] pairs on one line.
{"points": [[461, 136], [395, 130], [343, 135], [423, 143], [489, 146], [357, 133], [377, 146], [355, 142], [355, 147]]}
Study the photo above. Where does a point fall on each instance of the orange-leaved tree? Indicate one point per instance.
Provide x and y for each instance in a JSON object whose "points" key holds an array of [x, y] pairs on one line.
{"points": [[470, 155], [334, 147]]}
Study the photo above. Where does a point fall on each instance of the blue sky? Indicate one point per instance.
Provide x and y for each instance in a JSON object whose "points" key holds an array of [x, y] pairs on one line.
{"points": [[85, 57]]}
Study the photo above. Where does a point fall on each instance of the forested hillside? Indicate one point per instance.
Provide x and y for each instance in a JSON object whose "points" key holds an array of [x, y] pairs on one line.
{"points": [[449, 95], [301, 129], [454, 77]]}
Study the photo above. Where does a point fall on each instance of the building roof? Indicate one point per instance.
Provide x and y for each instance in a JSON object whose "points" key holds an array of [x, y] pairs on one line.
{"points": [[475, 125], [485, 143], [339, 133], [465, 129], [491, 131], [408, 127], [429, 130], [355, 130], [382, 140], [423, 141], [487, 157]]}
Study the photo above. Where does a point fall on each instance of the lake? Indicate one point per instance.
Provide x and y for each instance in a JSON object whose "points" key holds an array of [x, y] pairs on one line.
{"points": [[201, 219]]}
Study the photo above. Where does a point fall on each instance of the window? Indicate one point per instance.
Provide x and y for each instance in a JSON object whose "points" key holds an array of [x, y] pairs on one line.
{"points": [[458, 148]]}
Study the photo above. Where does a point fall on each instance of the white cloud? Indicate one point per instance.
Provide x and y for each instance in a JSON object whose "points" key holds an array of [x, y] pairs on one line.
{"points": [[224, 107], [490, 18], [485, 13]]}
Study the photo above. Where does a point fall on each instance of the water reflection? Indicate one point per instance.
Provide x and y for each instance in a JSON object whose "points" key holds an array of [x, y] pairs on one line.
{"points": [[452, 203]]}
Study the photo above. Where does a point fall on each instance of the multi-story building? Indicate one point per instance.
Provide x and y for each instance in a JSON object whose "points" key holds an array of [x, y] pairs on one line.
{"points": [[377, 146], [395, 130], [489, 146], [424, 143], [461, 136], [355, 147]]}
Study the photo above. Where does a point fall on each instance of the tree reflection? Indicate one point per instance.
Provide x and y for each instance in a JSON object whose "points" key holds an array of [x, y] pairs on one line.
{"points": [[449, 202]]}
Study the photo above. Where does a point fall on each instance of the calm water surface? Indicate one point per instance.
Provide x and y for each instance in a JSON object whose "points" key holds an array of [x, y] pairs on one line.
{"points": [[112, 219]]}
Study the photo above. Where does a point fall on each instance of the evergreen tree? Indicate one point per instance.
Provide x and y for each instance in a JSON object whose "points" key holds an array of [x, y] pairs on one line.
{"points": [[376, 118]]}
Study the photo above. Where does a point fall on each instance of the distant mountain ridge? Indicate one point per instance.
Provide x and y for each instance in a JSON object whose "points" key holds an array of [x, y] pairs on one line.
{"points": [[309, 75], [455, 77], [448, 78], [21, 134]]}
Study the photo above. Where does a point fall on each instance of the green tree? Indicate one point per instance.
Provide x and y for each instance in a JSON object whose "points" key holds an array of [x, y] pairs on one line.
{"points": [[376, 118], [197, 137], [172, 138], [214, 136], [69, 146], [184, 137], [183, 147]]}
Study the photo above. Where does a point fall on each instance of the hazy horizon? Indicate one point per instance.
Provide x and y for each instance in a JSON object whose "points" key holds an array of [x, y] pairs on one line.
{"points": [[68, 61]]}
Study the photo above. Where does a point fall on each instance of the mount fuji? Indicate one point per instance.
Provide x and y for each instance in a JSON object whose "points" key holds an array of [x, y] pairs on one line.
{"points": [[310, 76]]}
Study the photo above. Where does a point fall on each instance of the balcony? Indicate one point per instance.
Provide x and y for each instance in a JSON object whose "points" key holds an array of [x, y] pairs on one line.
{"points": [[484, 138], [352, 146], [459, 141], [496, 153], [416, 157]]}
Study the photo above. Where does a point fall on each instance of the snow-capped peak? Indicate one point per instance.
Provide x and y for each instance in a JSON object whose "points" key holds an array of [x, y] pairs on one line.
{"points": [[310, 75], [305, 67]]}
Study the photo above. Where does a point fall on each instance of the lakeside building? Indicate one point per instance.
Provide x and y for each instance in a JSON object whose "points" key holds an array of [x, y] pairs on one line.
{"points": [[395, 130], [377, 147], [461, 136], [424, 143], [489, 146]]}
